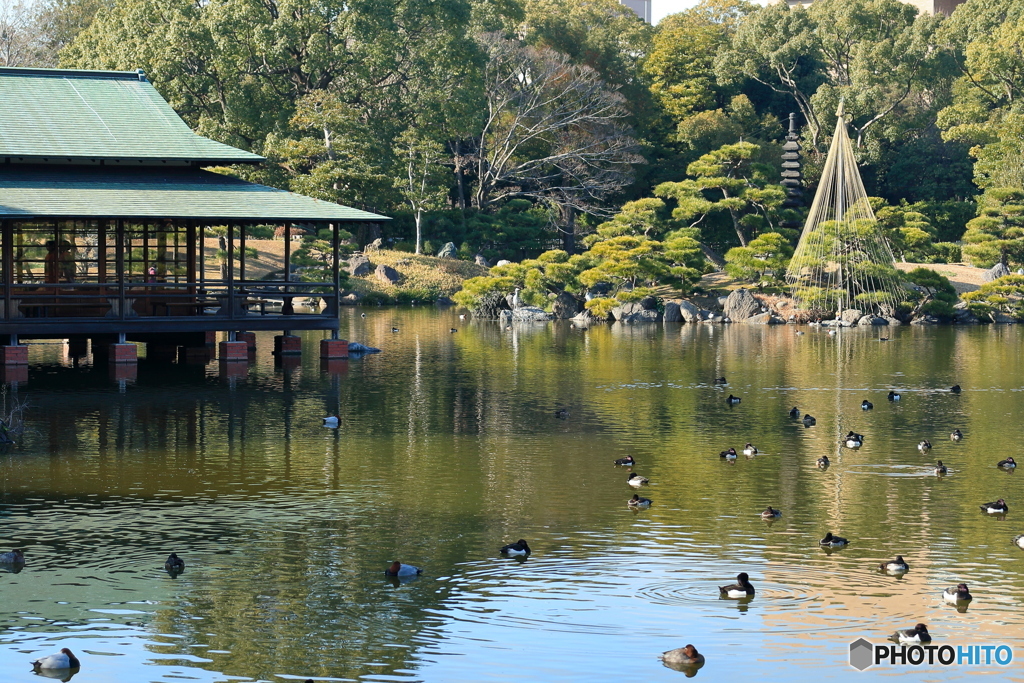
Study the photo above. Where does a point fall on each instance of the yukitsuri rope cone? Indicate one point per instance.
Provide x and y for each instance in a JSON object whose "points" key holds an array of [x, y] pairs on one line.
{"points": [[843, 260]]}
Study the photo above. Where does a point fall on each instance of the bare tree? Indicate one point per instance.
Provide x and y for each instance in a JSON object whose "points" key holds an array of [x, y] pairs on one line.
{"points": [[19, 34], [553, 132]]}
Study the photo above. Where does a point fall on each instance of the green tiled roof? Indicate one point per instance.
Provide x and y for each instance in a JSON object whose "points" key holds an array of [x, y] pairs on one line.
{"points": [[105, 192], [70, 116]]}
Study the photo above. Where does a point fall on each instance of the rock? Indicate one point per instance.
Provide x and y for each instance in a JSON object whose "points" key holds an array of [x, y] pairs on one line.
{"points": [[565, 306], [489, 306], [741, 305], [387, 274], [480, 260], [759, 319], [689, 312], [925, 320], [965, 317], [995, 272], [443, 302], [893, 322], [672, 314], [1003, 319], [505, 318], [634, 312], [359, 265], [869, 320], [504, 262], [375, 245], [649, 303], [448, 251], [584, 319], [851, 316], [530, 314], [350, 299], [356, 347]]}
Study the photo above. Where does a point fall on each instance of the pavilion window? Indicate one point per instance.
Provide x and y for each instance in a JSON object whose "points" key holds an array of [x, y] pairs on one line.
{"points": [[48, 251]]}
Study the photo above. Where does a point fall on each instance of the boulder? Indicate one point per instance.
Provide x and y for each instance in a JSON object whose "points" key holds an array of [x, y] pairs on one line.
{"points": [[689, 312], [356, 347], [565, 306], [489, 306], [584, 319], [869, 320], [672, 314], [503, 262], [505, 318], [925, 320], [850, 316], [634, 312], [530, 314], [893, 322], [443, 302], [759, 319], [995, 272], [962, 314], [448, 251], [350, 299], [480, 260], [387, 274], [1003, 319], [741, 305], [358, 265], [649, 303], [375, 245]]}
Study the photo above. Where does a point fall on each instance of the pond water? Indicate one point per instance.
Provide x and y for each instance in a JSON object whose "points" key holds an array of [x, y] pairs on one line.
{"points": [[449, 447]]}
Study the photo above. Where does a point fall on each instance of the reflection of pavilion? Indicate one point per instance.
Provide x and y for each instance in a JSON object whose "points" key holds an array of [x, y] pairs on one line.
{"points": [[104, 207]]}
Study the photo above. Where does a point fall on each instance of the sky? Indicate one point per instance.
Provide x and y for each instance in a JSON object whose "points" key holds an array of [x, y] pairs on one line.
{"points": [[662, 8]]}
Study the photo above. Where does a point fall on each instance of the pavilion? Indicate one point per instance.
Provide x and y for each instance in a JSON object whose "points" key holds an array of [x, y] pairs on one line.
{"points": [[106, 214]]}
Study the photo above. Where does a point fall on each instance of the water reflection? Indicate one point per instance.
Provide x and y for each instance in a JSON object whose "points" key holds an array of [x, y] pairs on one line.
{"points": [[449, 445]]}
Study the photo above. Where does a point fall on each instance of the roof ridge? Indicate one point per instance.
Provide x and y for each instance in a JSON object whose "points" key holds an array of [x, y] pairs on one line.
{"points": [[137, 75]]}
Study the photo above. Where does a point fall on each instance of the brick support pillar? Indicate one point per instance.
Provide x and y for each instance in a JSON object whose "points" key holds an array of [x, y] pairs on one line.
{"points": [[123, 353], [14, 355], [333, 348], [248, 337], [234, 350], [287, 345]]}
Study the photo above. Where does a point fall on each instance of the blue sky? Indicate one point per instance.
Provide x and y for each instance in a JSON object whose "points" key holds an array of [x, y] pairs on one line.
{"points": [[662, 8]]}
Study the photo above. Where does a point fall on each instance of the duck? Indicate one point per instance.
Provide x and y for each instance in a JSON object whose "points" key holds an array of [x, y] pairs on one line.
{"points": [[520, 547], [1019, 541], [174, 563], [956, 435], [729, 454], [897, 565], [732, 400], [794, 412], [394, 329], [331, 421], [955, 389], [771, 513], [14, 557], [831, 541], [957, 593], [823, 462], [398, 569], [918, 634], [854, 440], [893, 396], [740, 589], [683, 656], [750, 449], [940, 468], [997, 508], [924, 446], [453, 330], [628, 461], [831, 333], [809, 421], [720, 380], [562, 414], [636, 481], [866, 405], [362, 315], [1007, 464], [638, 502], [65, 659]]}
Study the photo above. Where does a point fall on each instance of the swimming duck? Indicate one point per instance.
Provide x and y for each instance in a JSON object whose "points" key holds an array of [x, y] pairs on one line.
{"points": [[13, 557], [732, 400], [394, 329], [399, 569], [833, 541], [866, 405], [628, 460], [958, 593], [823, 462], [520, 547], [771, 513], [331, 421], [64, 659], [562, 414], [453, 330], [897, 565], [740, 589], [956, 435], [174, 563], [1019, 540], [729, 454], [636, 481], [831, 333], [794, 413], [997, 508], [809, 421], [720, 380], [638, 502], [362, 315], [918, 634], [955, 389], [924, 446], [893, 396], [683, 656], [1007, 464], [749, 449], [940, 468], [462, 316], [854, 440]]}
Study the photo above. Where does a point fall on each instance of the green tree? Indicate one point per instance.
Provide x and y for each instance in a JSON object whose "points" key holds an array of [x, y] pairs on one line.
{"points": [[423, 179], [1003, 295], [997, 234], [765, 258], [909, 232], [939, 295]]}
